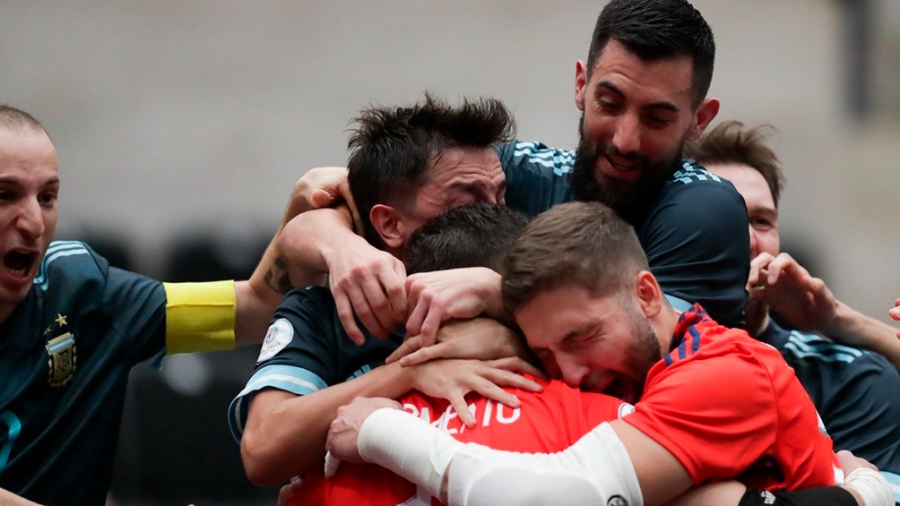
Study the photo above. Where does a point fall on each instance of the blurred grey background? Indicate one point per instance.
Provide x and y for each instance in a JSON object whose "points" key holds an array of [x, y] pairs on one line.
{"points": [[181, 127]]}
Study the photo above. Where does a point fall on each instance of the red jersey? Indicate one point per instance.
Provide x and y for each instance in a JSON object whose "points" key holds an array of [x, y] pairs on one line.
{"points": [[547, 422], [726, 405]]}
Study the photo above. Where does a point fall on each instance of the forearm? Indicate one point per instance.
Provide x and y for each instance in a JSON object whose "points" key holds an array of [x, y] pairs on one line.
{"points": [[9, 499], [258, 297], [254, 309], [308, 240], [852, 327], [291, 259], [288, 439], [595, 469]]}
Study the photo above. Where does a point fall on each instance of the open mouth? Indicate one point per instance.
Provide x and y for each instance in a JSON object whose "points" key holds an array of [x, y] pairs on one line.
{"points": [[624, 168], [19, 262]]}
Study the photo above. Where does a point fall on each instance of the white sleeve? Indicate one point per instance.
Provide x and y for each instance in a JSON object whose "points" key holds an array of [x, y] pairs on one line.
{"points": [[594, 470]]}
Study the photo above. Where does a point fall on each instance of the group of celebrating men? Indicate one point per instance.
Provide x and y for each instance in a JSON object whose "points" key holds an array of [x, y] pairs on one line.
{"points": [[604, 339]]}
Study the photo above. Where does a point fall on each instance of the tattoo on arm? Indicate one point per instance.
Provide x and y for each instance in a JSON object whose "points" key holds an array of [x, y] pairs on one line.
{"points": [[277, 277]]}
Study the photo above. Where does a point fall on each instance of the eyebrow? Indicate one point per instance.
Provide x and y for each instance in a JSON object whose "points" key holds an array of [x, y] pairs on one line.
{"points": [[17, 181], [607, 85], [763, 209]]}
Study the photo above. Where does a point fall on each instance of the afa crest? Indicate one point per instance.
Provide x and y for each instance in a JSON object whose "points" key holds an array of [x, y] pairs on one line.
{"points": [[63, 358]]}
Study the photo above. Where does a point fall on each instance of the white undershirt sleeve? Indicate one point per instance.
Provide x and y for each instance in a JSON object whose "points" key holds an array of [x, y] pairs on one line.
{"points": [[594, 470]]}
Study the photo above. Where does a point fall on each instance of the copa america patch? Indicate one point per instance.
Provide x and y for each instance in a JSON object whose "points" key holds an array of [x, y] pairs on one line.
{"points": [[625, 409], [616, 500], [279, 335]]}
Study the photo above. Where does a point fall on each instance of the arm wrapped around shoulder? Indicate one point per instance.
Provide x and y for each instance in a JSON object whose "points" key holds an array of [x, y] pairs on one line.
{"points": [[592, 471]]}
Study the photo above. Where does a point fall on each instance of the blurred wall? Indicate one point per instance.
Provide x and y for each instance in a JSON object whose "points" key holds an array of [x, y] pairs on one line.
{"points": [[185, 120], [170, 116]]}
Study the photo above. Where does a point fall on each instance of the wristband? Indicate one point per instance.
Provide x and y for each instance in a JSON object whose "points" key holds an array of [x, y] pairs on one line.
{"points": [[871, 486]]}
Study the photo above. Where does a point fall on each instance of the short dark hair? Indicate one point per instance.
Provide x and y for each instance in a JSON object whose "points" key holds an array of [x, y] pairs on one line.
{"points": [[13, 118], [584, 244], [394, 147], [729, 142], [655, 30], [472, 235]]}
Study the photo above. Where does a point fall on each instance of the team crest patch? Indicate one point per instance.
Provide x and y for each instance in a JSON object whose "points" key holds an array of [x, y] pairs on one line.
{"points": [[616, 500], [279, 335], [63, 359]]}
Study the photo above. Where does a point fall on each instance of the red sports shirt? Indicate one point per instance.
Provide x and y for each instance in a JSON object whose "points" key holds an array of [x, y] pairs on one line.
{"points": [[726, 405], [547, 422]]}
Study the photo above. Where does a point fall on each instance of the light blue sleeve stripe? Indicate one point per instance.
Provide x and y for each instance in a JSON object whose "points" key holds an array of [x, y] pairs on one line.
{"points": [[560, 160], [295, 380], [678, 304], [894, 480], [805, 345], [57, 249]]}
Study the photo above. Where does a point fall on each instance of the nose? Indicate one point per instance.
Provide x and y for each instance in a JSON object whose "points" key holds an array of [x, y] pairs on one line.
{"points": [[570, 370], [627, 137], [31, 220]]}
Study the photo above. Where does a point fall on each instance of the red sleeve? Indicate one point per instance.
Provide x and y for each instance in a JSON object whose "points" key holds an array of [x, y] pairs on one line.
{"points": [[727, 406], [715, 413]]}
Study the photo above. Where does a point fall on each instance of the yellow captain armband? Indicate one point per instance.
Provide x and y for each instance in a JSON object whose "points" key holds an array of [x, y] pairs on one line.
{"points": [[200, 316]]}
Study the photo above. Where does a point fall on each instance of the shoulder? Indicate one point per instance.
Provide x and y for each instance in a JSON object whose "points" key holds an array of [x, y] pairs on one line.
{"points": [[537, 176], [687, 201], [699, 337], [72, 273], [312, 303], [69, 260], [691, 172], [701, 189], [311, 295], [535, 154]]}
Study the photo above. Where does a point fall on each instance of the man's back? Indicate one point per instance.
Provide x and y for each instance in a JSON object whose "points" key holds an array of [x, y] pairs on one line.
{"points": [[546, 422]]}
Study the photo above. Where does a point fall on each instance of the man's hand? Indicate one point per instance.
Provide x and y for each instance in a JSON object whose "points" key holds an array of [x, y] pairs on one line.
{"points": [[478, 338], [894, 313], [802, 300], [287, 492], [344, 430], [863, 480], [452, 380], [323, 187], [369, 283], [434, 297], [849, 462]]}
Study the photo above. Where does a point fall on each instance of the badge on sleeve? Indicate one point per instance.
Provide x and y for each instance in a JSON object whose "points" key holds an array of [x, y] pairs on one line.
{"points": [[279, 335]]}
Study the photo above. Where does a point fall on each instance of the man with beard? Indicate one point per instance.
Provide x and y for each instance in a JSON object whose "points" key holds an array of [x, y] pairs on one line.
{"points": [[578, 285], [546, 421], [642, 93]]}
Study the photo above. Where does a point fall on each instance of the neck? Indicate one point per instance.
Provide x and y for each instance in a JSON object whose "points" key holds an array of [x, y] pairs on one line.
{"points": [[664, 326]]}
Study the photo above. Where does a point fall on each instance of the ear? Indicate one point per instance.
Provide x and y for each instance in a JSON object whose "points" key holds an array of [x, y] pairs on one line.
{"points": [[703, 117], [649, 294], [580, 83], [386, 221]]}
